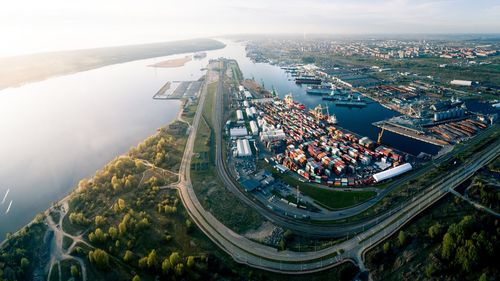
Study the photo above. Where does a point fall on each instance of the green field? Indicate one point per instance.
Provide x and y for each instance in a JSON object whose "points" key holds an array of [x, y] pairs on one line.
{"points": [[333, 199]]}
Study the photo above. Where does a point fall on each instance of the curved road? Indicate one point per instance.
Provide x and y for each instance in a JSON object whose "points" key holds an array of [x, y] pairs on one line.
{"points": [[261, 256]]}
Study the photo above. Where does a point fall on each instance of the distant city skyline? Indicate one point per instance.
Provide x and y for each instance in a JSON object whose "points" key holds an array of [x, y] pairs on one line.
{"points": [[29, 26]]}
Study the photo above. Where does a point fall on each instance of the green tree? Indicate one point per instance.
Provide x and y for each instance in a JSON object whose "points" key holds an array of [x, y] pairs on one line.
{"points": [[166, 266], [99, 220], [121, 204], [435, 230], [74, 271], [100, 235], [430, 270], [100, 258], [136, 278], [143, 262], [189, 224], [128, 256], [152, 259], [113, 233], [122, 228], [448, 246], [483, 277], [116, 183], [175, 258], [387, 247], [190, 262], [25, 263], [179, 269], [402, 238]]}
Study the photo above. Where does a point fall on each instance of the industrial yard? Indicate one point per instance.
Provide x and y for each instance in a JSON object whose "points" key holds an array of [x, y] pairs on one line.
{"points": [[309, 145], [178, 90]]}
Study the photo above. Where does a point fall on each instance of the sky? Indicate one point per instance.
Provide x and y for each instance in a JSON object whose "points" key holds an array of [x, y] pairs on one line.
{"points": [[29, 26]]}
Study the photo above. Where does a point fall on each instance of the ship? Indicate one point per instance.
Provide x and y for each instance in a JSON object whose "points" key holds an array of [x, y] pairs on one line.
{"points": [[324, 89], [293, 104], [308, 80], [351, 102], [200, 55]]}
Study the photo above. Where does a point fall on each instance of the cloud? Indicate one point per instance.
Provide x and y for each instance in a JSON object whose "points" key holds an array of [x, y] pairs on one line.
{"points": [[33, 25]]}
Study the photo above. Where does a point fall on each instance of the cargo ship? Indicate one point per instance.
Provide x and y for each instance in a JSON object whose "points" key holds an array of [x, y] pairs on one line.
{"points": [[320, 90], [351, 102], [291, 103], [308, 80]]}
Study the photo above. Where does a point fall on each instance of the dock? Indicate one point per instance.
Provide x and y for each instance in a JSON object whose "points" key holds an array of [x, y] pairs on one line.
{"points": [[178, 90], [409, 132]]}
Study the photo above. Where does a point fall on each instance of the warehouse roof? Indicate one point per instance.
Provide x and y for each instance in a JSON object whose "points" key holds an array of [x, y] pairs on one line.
{"points": [[250, 185], [387, 174]]}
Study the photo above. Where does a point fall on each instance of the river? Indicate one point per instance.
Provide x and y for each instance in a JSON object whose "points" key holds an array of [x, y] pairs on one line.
{"points": [[55, 132]]}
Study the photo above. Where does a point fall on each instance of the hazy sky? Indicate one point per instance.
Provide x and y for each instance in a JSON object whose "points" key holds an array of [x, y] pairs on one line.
{"points": [[42, 25]]}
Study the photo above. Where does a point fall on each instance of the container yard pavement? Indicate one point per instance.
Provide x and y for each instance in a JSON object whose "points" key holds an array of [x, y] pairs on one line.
{"points": [[264, 257]]}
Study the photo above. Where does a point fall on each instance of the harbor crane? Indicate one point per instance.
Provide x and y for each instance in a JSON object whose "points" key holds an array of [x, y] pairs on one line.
{"points": [[380, 134]]}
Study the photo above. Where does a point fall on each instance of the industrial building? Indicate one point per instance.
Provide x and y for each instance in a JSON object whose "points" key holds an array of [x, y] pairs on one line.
{"points": [[390, 173], [248, 95], [238, 132], [248, 112], [254, 128], [239, 115], [243, 148], [461, 83], [449, 114]]}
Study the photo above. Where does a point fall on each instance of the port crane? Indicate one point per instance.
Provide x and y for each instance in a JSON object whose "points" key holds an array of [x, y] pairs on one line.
{"points": [[380, 134]]}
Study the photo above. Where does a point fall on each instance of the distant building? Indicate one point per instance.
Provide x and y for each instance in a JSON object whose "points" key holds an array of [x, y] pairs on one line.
{"points": [[248, 95], [461, 83]]}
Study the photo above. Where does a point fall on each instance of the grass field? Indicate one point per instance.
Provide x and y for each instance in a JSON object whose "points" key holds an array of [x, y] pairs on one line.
{"points": [[333, 199]]}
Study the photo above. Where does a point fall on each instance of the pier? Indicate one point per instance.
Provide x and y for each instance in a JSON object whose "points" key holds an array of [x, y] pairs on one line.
{"points": [[178, 90], [410, 133]]}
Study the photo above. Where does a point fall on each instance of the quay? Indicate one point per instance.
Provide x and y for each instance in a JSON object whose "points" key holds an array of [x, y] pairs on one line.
{"points": [[409, 132]]}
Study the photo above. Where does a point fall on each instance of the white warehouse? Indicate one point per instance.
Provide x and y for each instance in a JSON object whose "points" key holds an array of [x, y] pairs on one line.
{"points": [[239, 115], [249, 112], [390, 173], [238, 132], [461, 83], [254, 128], [243, 148]]}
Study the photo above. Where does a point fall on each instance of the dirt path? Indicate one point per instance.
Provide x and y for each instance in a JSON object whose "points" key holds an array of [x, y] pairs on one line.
{"points": [[57, 252]]}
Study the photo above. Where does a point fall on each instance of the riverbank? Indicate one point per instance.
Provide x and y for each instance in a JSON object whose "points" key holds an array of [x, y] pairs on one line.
{"points": [[20, 70]]}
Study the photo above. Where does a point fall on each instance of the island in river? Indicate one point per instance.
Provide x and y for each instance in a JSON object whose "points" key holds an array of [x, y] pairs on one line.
{"points": [[172, 62]]}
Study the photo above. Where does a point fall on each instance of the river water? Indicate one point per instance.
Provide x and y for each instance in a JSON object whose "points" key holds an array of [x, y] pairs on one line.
{"points": [[55, 132]]}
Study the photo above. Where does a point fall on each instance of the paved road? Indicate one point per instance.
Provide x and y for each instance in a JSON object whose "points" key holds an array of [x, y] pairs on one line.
{"points": [[257, 255], [475, 204]]}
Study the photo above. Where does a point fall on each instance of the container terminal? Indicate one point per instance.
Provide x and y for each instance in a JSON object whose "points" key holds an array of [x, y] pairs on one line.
{"points": [[309, 144]]}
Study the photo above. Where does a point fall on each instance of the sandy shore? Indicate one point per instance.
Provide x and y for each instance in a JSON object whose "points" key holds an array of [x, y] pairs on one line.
{"points": [[173, 62]]}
